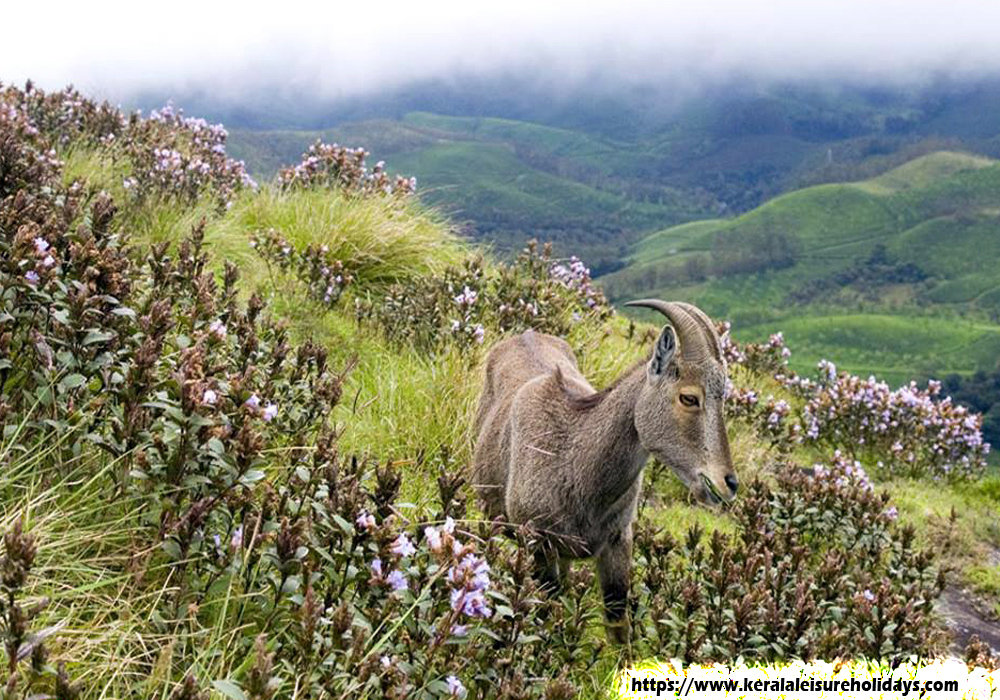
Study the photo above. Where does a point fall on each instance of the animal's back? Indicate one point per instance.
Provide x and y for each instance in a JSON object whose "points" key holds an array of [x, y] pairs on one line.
{"points": [[509, 365]]}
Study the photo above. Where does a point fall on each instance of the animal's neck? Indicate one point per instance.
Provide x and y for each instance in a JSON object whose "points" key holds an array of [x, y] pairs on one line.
{"points": [[618, 457]]}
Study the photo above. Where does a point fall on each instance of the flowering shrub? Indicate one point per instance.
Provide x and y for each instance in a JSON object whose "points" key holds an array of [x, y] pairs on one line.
{"points": [[465, 303], [332, 165], [65, 116], [168, 155], [375, 605], [772, 419], [324, 276], [818, 569], [908, 430], [180, 157], [768, 358]]}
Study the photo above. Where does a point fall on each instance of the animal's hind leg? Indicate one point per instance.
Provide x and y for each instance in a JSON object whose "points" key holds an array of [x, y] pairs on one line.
{"points": [[614, 568], [547, 568]]}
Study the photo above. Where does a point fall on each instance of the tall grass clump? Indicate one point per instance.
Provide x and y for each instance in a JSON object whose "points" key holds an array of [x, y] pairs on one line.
{"points": [[380, 240]]}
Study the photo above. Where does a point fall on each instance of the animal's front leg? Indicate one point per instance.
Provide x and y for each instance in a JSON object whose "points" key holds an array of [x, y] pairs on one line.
{"points": [[614, 568]]}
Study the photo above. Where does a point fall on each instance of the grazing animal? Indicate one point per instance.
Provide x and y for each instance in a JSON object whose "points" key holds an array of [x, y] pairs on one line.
{"points": [[553, 452]]}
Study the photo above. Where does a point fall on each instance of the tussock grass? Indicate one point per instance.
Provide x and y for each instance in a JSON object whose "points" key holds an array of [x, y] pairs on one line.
{"points": [[381, 238]]}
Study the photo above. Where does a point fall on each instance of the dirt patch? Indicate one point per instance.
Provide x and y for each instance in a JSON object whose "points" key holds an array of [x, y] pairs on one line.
{"points": [[964, 620]]}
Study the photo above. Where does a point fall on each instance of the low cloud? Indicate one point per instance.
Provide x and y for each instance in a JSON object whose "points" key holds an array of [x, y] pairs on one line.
{"points": [[350, 48]]}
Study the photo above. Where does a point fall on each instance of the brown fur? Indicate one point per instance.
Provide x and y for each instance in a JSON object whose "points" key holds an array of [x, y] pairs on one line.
{"points": [[553, 452]]}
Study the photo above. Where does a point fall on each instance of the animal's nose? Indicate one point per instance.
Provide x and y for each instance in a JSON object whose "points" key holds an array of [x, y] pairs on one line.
{"points": [[732, 483]]}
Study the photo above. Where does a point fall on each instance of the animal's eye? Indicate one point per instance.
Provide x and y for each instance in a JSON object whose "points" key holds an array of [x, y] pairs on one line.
{"points": [[689, 400]]}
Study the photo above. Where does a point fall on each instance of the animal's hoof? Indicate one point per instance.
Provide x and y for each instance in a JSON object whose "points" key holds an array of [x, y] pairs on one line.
{"points": [[618, 632]]}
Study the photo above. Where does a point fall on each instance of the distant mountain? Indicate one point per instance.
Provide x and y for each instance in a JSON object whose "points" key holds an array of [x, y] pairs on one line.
{"points": [[896, 275], [595, 167]]}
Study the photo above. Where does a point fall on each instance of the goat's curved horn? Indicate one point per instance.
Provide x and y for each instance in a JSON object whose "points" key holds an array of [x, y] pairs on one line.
{"points": [[711, 335], [694, 344]]}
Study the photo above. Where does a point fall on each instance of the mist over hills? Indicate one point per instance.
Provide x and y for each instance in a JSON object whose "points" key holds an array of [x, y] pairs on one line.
{"points": [[593, 166]]}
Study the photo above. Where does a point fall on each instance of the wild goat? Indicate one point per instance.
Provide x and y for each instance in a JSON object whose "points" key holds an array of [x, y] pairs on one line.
{"points": [[553, 452]]}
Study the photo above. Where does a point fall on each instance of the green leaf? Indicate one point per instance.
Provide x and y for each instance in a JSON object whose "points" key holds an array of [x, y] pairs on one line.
{"points": [[229, 689], [344, 525], [72, 381], [252, 477], [172, 549], [97, 337]]}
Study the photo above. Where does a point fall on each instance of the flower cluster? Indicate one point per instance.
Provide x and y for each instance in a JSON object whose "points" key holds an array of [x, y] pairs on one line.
{"points": [[168, 154], [324, 276], [768, 358], [332, 165], [181, 157], [576, 276], [64, 116], [909, 430], [465, 303]]}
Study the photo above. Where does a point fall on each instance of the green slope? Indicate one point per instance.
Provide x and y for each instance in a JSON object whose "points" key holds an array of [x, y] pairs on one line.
{"points": [[511, 180], [881, 268]]}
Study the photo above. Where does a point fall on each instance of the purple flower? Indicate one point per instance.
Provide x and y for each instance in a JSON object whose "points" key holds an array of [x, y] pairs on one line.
{"points": [[471, 603], [218, 329], [402, 547], [455, 687], [470, 579], [396, 580], [209, 397], [270, 411], [365, 520], [433, 536], [479, 333], [466, 298], [237, 541], [377, 567], [253, 402], [891, 513], [41, 245], [868, 595], [32, 277], [49, 261], [459, 630]]}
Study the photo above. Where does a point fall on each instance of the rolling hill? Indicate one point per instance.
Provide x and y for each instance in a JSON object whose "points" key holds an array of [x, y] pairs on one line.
{"points": [[508, 180], [596, 171], [895, 275]]}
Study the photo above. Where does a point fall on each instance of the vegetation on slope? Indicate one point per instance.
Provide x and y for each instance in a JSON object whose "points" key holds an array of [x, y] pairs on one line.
{"points": [[851, 271], [220, 483], [682, 156]]}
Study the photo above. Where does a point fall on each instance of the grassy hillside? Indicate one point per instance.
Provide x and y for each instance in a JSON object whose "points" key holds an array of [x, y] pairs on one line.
{"points": [[879, 275], [602, 167], [236, 434]]}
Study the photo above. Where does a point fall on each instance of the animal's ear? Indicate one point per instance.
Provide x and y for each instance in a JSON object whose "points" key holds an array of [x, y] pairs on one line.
{"points": [[663, 354]]}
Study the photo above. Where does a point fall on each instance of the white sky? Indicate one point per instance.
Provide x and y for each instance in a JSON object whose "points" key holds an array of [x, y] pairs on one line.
{"points": [[113, 48]]}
